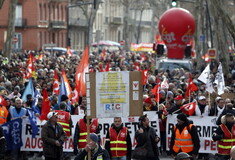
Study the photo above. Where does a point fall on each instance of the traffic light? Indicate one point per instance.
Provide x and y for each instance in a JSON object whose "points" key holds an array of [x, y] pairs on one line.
{"points": [[173, 3]]}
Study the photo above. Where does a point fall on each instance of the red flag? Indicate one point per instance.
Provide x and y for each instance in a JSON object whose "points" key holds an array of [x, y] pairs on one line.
{"points": [[189, 108], [30, 70], [191, 87], [136, 66], [80, 73], [143, 58], [156, 90], [107, 66], [3, 102], [103, 54], [45, 106], [69, 53], [144, 76], [56, 86]]}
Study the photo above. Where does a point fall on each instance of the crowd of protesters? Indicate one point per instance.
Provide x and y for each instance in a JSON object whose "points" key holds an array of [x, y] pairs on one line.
{"points": [[12, 82]]}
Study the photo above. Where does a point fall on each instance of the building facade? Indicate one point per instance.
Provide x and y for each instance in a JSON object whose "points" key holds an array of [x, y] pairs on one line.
{"points": [[37, 22]]}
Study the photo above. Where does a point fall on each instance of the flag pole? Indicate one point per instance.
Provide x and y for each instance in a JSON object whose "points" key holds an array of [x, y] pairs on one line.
{"points": [[88, 135]]}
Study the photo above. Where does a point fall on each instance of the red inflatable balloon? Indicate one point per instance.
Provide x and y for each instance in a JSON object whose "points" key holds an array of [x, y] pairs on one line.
{"points": [[176, 27]]}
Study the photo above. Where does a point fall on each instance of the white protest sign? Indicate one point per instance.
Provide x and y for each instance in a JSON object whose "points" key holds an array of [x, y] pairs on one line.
{"points": [[35, 144], [206, 126]]}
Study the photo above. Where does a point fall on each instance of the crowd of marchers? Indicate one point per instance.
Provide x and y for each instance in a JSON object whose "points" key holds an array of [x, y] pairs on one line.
{"points": [[171, 94]]}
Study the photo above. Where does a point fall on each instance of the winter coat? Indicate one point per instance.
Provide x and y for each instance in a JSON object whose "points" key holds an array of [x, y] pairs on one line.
{"points": [[49, 139], [148, 139]]}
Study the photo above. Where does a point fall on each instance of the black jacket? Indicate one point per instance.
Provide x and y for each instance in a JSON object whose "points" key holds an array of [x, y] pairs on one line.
{"points": [[148, 139], [100, 152]]}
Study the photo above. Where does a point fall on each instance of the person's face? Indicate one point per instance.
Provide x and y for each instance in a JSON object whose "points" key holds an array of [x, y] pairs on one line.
{"points": [[18, 104], [221, 103], [202, 102], [146, 122], [117, 122], [54, 119], [91, 143]]}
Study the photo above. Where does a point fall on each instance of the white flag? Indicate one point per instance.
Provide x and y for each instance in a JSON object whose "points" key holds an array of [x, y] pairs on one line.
{"points": [[209, 84], [204, 75], [219, 80]]}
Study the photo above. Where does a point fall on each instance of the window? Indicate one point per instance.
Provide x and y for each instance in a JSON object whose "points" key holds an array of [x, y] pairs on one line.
{"points": [[18, 16]]}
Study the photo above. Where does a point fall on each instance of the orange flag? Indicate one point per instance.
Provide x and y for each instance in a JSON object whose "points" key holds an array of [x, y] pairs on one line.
{"points": [[56, 86], [80, 72], [45, 106]]}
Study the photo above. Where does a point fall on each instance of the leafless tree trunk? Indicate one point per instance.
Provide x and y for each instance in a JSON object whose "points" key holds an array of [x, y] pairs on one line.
{"points": [[10, 30], [126, 27]]}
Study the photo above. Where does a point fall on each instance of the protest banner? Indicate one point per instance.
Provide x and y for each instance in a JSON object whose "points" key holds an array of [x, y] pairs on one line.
{"points": [[35, 144], [206, 126]]}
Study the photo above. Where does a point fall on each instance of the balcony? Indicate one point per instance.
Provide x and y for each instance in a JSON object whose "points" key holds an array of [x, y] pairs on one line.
{"points": [[115, 20], [57, 25], [20, 22]]}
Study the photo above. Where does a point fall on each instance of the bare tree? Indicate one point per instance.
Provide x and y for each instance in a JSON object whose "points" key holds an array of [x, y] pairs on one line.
{"points": [[10, 30], [89, 9]]}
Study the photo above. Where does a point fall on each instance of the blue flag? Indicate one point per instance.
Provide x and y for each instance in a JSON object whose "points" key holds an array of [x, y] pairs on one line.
{"points": [[28, 90], [62, 90], [33, 122], [37, 94], [12, 132]]}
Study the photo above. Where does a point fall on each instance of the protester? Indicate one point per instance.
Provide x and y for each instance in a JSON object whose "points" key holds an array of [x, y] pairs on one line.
{"points": [[53, 138], [79, 140], [92, 145], [64, 118], [146, 137], [3, 114], [202, 109], [224, 135], [184, 137], [118, 141]]}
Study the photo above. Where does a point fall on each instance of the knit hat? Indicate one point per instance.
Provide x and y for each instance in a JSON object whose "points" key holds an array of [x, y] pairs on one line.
{"points": [[64, 97], [182, 117], [182, 155], [94, 137]]}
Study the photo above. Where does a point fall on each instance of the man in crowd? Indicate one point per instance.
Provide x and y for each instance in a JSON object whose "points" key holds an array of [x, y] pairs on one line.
{"points": [[64, 118], [118, 141], [146, 137], [184, 137], [79, 140], [202, 109], [53, 138], [183, 156], [92, 145], [224, 135]]}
